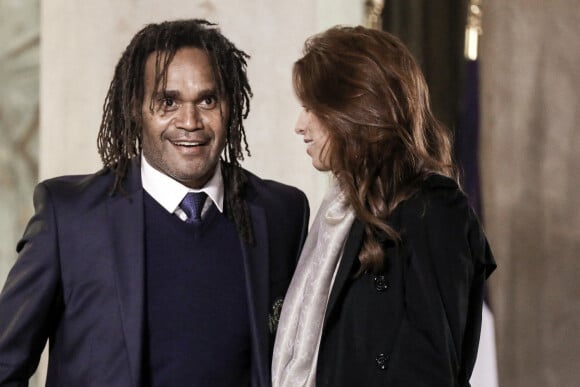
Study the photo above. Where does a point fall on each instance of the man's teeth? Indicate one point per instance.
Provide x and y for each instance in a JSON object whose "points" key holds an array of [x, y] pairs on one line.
{"points": [[185, 143]]}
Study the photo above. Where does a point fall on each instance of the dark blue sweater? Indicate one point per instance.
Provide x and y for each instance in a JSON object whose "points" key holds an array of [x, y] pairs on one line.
{"points": [[197, 331]]}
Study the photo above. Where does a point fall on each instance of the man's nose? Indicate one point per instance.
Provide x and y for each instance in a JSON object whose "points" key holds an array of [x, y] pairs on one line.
{"points": [[189, 117]]}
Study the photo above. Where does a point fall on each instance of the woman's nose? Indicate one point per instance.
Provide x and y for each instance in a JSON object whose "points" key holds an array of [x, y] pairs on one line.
{"points": [[300, 123]]}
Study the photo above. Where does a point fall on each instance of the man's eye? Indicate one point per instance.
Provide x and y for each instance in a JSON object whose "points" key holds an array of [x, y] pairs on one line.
{"points": [[168, 102], [209, 102]]}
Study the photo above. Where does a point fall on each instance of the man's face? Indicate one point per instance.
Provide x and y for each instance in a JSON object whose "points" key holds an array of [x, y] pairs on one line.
{"points": [[185, 134]]}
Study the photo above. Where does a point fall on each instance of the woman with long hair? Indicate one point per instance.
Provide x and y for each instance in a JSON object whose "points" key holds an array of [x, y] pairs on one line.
{"points": [[389, 287]]}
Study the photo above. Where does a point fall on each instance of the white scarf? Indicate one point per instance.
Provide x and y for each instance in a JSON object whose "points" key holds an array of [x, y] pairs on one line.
{"points": [[300, 327]]}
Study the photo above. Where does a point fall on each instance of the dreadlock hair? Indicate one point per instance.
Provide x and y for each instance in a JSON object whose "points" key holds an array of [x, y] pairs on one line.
{"points": [[383, 140], [120, 134]]}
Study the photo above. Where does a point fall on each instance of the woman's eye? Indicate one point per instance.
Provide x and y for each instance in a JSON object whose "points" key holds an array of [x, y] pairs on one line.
{"points": [[168, 102]]}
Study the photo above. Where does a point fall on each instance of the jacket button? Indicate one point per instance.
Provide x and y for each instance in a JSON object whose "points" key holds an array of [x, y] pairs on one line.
{"points": [[383, 361], [381, 283]]}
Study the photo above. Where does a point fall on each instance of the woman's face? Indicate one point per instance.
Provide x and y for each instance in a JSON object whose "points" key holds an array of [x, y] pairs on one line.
{"points": [[315, 136]]}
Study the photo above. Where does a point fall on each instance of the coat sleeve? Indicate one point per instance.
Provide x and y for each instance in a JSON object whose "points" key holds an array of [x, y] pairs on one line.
{"points": [[447, 262], [31, 298]]}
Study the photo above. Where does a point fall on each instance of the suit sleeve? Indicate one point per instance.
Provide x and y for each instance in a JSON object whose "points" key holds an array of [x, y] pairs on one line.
{"points": [[461, 259], [447, 262], [30, 301]]}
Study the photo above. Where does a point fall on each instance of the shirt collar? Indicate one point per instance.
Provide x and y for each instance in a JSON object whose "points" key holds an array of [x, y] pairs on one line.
{"points": [[168, 192]]}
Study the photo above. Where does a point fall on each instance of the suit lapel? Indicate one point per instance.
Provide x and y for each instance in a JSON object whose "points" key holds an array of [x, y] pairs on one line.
{"points": [[256, 265], [126, 220], [350, 253]]}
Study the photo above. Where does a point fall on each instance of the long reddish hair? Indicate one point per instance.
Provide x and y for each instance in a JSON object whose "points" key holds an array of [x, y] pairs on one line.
{"points": [[368, 91]]}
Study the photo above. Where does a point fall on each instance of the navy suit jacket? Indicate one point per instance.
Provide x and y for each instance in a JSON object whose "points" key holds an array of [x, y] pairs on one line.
{"points": [[79, 280]]}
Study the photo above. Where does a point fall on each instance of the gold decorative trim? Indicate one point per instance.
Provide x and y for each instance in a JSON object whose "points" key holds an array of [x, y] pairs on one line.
{"points": [[373, 10], [473, 29]]}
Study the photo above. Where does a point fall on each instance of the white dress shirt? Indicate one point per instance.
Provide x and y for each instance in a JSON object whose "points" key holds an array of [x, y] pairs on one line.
{"points": [[168, 192]]}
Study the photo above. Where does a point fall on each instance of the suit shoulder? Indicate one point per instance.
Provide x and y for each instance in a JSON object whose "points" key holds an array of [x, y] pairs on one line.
{"points": [[280, 200], [437, 195], [439, 207], [272, 187], [441, 214], [74, 187]]}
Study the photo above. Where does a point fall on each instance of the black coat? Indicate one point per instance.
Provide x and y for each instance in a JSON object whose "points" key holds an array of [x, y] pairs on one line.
{"points": [[418, 322]]}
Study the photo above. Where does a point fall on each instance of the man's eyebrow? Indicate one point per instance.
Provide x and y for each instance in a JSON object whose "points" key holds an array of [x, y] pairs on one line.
{"points": [[174, 94], [212, 91], [166, 94]]}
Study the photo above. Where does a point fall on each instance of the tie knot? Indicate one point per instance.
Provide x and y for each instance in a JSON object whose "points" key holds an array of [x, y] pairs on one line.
{"points": [[192, 204]]}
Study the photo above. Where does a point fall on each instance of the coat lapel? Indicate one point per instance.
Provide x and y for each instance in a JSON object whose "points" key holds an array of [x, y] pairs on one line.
{"points": [[350, 253], [126, 221], [256, 265]]}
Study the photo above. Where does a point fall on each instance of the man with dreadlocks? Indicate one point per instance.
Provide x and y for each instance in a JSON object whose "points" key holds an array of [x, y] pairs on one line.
{"points": [[132, 285]]}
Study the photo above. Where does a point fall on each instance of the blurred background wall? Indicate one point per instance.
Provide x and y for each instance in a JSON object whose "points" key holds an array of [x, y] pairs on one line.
{"points": [[530, 87], [530, 146]]}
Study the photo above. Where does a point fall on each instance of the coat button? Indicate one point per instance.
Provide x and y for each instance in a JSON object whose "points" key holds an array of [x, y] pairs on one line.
{"points": [[383, 361], [381, 283]]}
